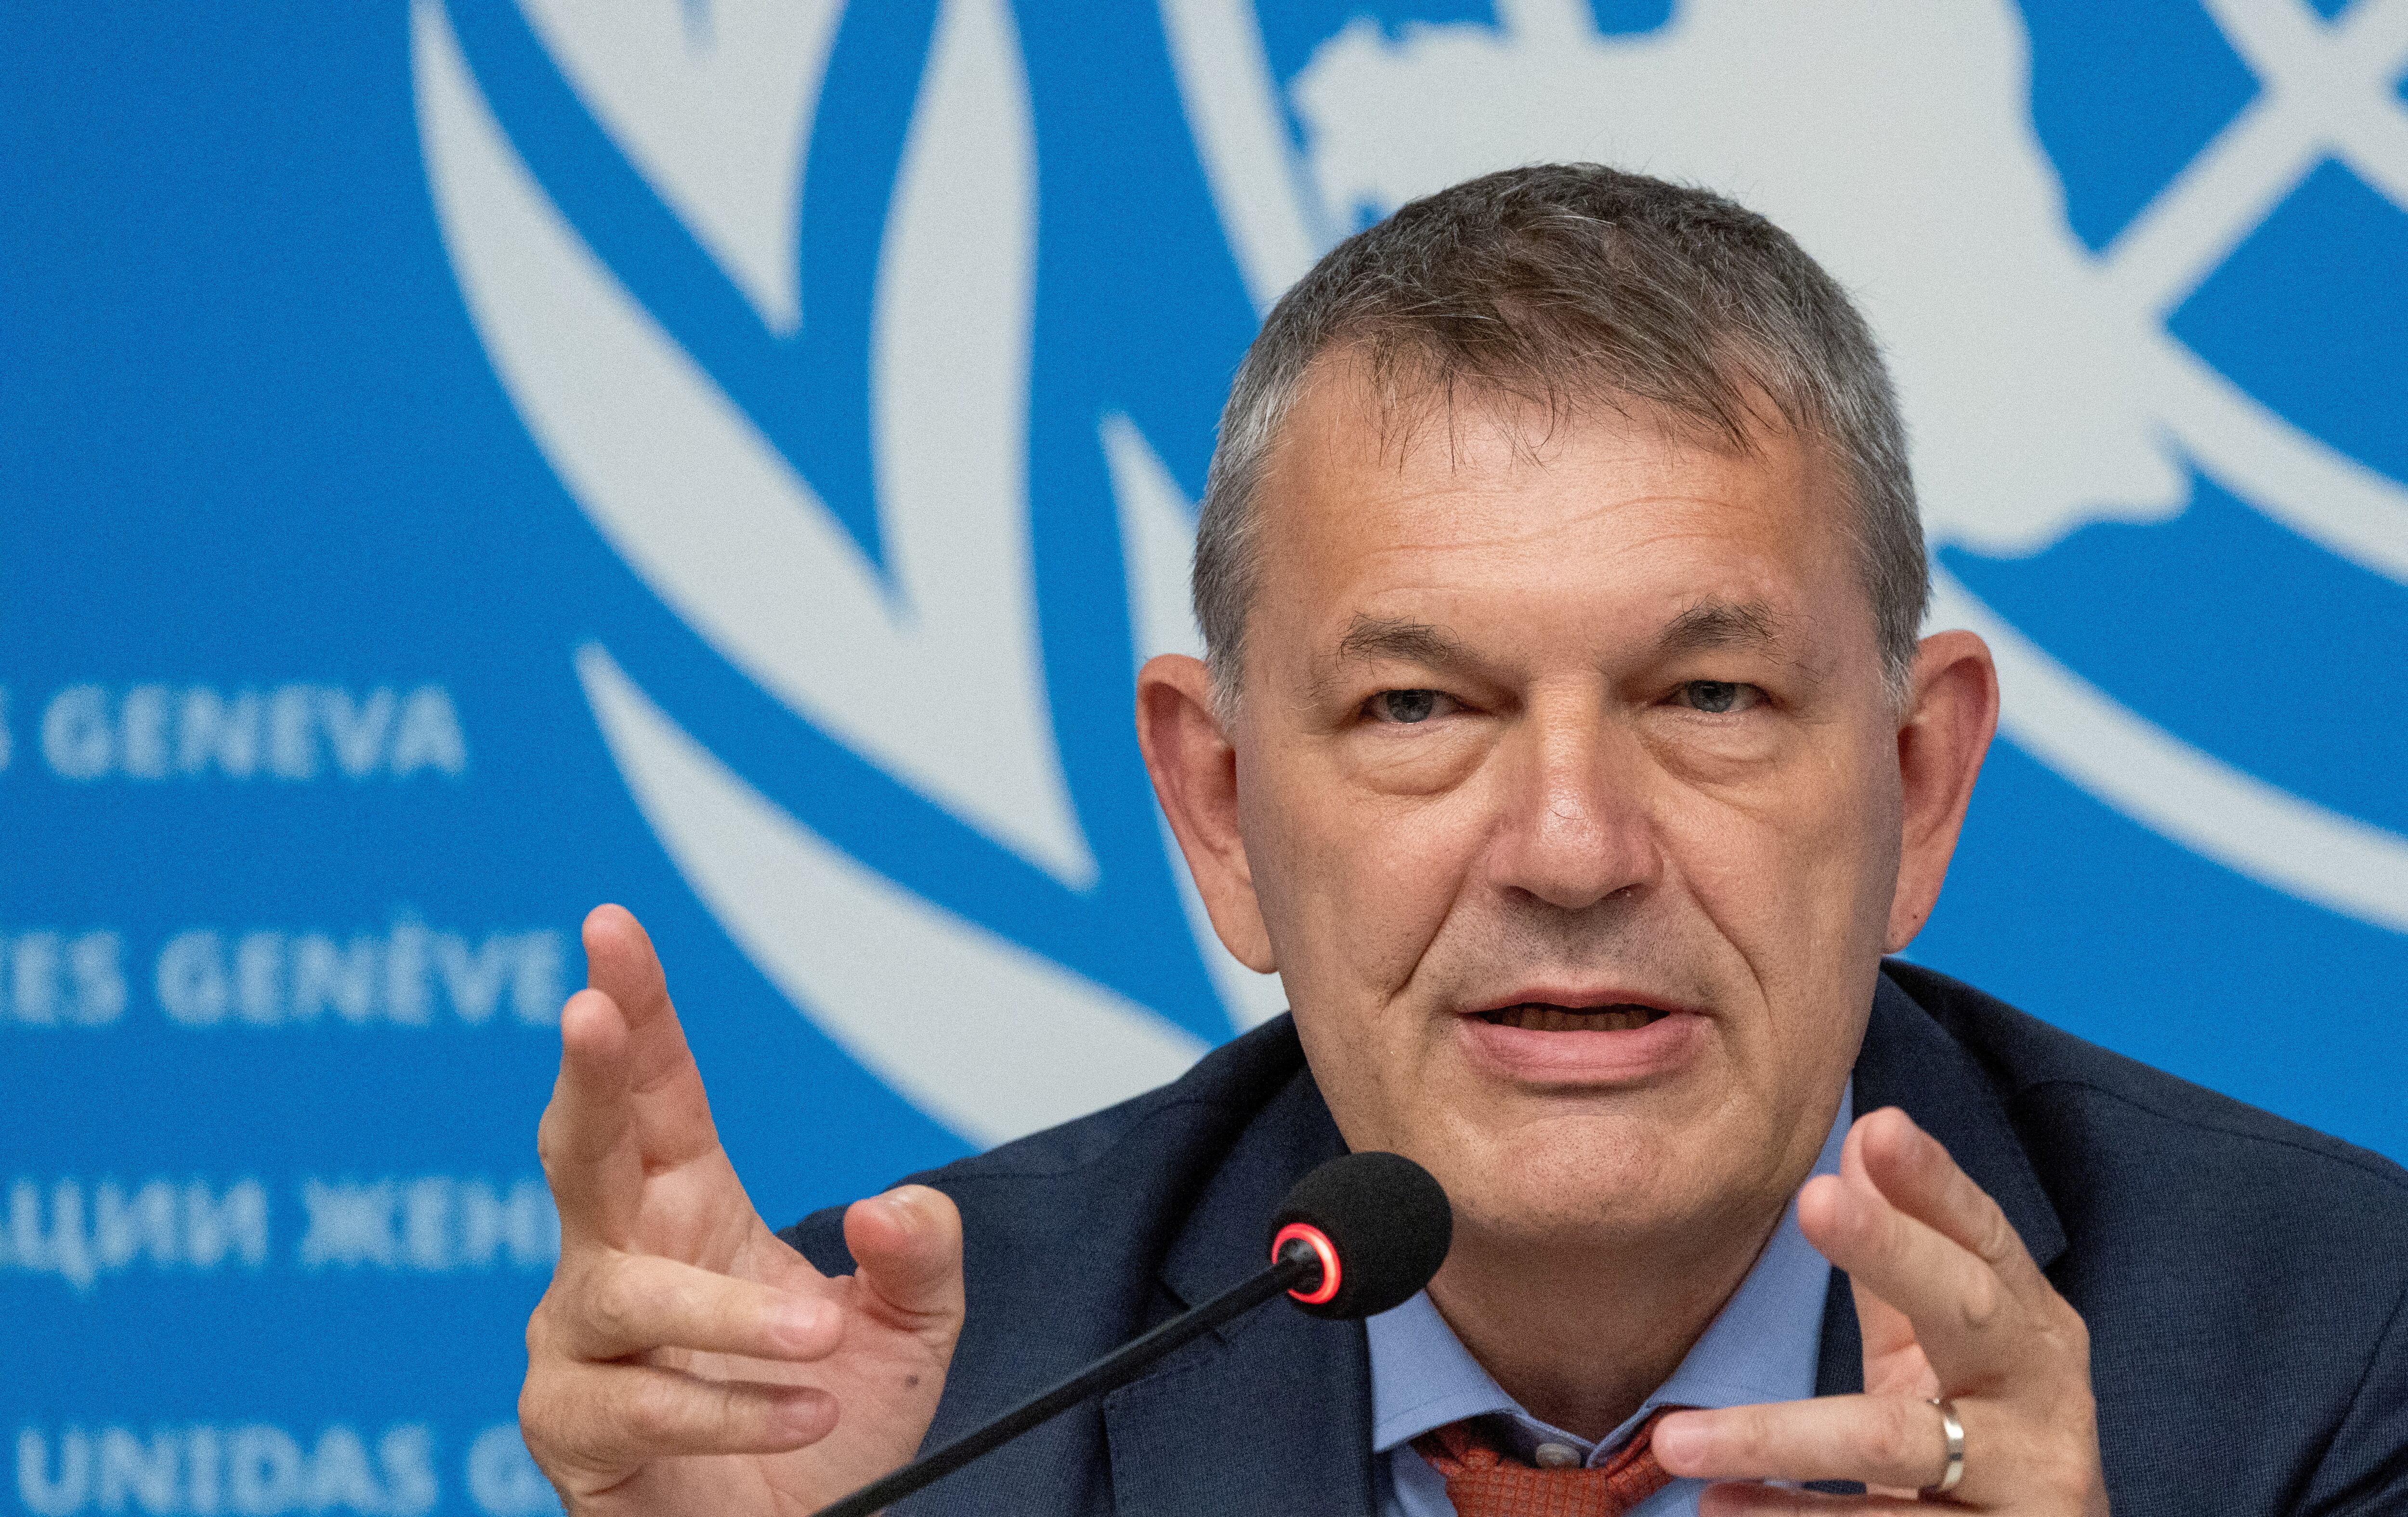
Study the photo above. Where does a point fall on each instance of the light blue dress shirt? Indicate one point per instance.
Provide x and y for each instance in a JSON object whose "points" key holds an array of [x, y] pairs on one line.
{"points": [[1764, 1346]]}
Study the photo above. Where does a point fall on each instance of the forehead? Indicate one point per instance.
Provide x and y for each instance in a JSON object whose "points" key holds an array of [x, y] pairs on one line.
{"points": [[1369, 502]]}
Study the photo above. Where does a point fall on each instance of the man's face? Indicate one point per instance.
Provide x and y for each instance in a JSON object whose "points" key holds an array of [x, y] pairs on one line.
{"points": [[1570, 793]]}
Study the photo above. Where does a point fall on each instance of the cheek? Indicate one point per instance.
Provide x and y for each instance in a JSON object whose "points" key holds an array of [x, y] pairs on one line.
{"points": [[1711, 754], [1353, 883], [1410, 762], [1799, 881]]}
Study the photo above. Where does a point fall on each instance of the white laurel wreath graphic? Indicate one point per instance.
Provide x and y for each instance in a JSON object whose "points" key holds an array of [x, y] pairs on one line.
{"points": [[987, 1036]]}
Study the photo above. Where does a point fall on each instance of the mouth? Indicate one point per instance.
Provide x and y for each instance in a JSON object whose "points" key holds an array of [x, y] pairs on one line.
{"points": [[1546, 1017], [1557, 1036]]}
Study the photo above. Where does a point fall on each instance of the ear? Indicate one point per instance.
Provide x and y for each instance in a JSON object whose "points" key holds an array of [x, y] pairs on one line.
{"points": [[1195, 772], [1949, 719]]}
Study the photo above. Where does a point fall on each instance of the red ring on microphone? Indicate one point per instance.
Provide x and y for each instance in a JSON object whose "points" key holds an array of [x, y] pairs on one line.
{"points": [[1320, 1243]]}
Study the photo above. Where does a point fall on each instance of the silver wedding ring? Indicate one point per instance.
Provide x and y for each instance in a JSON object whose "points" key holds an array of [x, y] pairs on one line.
{"points": [[1955, 1432]]}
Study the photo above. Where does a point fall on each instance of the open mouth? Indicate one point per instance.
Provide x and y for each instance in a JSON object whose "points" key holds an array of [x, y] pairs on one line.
{"points": [[1543, 1017]]}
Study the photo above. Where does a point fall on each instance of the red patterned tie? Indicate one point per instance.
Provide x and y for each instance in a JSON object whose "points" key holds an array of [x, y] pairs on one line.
{"points": [[1485, 1481]]}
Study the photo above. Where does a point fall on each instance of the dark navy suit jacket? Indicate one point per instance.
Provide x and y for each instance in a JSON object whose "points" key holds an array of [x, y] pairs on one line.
{"points": [[2242, 1279]]}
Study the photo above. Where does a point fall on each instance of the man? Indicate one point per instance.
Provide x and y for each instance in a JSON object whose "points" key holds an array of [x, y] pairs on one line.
{"points": [[1568, 748]]}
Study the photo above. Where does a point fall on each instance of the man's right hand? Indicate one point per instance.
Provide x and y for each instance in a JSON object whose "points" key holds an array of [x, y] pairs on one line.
{"points": [[685, 1359]]}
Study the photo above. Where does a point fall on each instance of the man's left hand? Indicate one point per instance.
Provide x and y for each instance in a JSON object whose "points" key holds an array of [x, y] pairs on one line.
{"points": [[1952, 1308]]}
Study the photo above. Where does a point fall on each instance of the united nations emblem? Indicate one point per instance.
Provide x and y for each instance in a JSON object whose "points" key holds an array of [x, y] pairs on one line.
{"points": [[883, 344]]}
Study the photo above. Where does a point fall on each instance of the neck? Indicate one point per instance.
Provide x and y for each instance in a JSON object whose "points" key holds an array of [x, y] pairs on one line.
{"points": [[1580, 1334]]}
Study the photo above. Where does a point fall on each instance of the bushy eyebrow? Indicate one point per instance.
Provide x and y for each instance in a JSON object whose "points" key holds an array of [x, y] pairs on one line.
{"points": [[1706, 626], [1721, 624], [1373, 638]]}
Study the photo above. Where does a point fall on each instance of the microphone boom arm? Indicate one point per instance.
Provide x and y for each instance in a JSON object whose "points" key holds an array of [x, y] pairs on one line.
{"points": [[1298, 1268]]}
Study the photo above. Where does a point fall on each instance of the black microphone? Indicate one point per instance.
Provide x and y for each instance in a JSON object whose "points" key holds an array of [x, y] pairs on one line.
{"points": [[1356, 1236]]}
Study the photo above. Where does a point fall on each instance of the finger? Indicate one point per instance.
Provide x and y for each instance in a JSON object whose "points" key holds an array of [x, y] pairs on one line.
{"points": [[1971, 1326], [630, 1303], [672, 1112], [1895, 1363], [587, 1139], [1915, 1171], [1774, 1500], [908, 1245], [616, 1416], [1878, 1439]]}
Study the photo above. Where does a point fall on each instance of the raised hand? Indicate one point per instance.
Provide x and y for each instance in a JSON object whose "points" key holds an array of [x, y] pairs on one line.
{"points": [[1951, 1305], [685, 1359]]}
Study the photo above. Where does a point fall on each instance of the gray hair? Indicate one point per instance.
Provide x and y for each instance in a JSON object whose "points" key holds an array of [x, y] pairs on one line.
{"points": [[1566, 283]]}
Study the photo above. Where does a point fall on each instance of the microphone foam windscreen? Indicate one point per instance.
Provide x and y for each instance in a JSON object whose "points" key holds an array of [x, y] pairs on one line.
{"points": [[1389, 1222]]}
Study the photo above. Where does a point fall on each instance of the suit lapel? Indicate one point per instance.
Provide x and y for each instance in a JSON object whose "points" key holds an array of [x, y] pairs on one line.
{"points": [[1273, 1411], [1911, 1062]]}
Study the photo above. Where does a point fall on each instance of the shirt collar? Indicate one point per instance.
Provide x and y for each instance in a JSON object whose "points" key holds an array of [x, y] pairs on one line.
{"points": [[1761, 1347]]}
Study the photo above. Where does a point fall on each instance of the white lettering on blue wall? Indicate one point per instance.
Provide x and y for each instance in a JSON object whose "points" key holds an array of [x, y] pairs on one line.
{"points": [[432, 1224], [503, 1480], [62, 979], [85, 1232], [83, 1236], [409, 975], [293, 733], [254, 1469]]}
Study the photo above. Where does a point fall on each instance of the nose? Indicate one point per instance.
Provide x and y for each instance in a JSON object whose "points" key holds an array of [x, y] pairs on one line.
{"points": [[1574, 828]]}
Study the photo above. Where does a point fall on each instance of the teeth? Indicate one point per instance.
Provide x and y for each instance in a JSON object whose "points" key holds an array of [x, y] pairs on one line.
{"points": [[1536, 1016]]}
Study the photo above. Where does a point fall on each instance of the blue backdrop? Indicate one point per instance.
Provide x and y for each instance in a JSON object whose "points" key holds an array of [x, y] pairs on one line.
{"points": [[466, 460]]}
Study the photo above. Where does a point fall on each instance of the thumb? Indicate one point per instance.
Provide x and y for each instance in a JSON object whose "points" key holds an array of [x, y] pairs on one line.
{"points": [[908, 1245]]}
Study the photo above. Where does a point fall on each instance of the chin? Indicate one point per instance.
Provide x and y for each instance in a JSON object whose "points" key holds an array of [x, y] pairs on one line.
{"points": [[1597, 1184]]}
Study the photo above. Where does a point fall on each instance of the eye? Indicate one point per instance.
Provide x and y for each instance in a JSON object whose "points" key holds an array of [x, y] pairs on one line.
{"points": [[1403, 707], [1718, 696]]}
